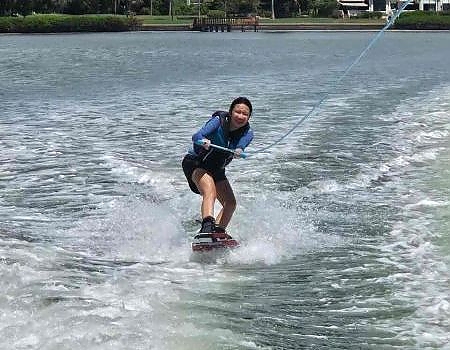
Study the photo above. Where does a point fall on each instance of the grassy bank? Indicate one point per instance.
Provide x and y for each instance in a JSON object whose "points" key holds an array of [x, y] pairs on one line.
{"points": [[419, 20], [55, 23]]}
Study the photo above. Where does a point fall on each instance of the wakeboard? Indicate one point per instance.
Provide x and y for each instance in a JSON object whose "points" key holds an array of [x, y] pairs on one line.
{"points": [[216, 241]]}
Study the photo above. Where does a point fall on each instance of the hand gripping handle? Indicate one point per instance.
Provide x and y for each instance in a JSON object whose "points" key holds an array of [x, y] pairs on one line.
{"points": [[201, 143]]}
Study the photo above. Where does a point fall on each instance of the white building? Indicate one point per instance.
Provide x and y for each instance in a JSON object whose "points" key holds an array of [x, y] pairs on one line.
{"points": [[353, 7], [434, 5]]}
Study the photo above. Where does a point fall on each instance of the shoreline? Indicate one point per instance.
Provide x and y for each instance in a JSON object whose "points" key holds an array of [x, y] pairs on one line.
{"points": [[361, 27], [273, 27], [343, 27], [51, 23]]}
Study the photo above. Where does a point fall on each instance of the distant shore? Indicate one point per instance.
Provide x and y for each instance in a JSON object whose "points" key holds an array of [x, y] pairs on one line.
{"points": [[55, 23], [417, 20], [272, 27]]}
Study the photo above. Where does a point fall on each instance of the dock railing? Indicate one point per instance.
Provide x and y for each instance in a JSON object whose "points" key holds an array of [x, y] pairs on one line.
{"points": [[225, 24]]}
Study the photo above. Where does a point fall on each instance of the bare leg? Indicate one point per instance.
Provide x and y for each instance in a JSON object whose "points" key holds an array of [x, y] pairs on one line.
{"points": [[206, 186], [226, 198]]}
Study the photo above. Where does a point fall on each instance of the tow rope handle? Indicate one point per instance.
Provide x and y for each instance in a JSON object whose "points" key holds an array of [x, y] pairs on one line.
{"points": [[201, 143]]}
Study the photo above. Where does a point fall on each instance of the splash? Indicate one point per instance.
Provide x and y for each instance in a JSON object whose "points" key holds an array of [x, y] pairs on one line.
{"points": [[133, 229]]}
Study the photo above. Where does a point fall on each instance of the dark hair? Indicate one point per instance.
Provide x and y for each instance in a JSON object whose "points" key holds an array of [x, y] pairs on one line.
{"points": [[241, 100]]}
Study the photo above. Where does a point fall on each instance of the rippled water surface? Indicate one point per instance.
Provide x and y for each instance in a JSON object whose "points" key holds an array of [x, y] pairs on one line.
{"points": [[344, 225]]}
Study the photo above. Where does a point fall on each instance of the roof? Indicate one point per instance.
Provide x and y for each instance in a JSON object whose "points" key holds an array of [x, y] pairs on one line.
{"points": [[353, 4]]}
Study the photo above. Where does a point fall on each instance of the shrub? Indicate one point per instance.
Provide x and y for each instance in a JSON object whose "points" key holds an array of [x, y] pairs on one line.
{"points": [[5, 24], [216, 14], [422, 20], [67, 23]]}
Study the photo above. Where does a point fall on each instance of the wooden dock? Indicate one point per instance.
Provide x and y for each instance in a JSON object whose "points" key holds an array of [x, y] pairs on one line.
{"points": [[222, 25], [225, 24]]}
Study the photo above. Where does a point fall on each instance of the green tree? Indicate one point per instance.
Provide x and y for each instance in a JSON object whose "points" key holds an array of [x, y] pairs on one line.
{"points": [[24, 7], [287, 8], [76, 7], [44, 6], [243, 7], [136, 5], [302, 6], [5, 7], [323, 8]]}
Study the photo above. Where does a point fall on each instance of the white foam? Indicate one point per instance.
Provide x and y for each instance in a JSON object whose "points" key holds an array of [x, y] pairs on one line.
{"points": [[269, 231], [427, 202], [137, 230]]}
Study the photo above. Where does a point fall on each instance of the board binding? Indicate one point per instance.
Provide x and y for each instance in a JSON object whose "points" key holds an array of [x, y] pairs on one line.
{"points": [[204, 242]]}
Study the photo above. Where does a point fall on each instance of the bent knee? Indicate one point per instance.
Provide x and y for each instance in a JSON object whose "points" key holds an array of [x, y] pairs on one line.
{"points": [[230, 204]]}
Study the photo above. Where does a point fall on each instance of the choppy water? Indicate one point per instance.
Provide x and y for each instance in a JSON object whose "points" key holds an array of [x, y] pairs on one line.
{"points": [[344, 226]]}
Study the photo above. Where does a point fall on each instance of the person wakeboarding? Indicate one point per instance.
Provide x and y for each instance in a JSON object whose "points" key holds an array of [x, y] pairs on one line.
{"points": [[204, 166]]}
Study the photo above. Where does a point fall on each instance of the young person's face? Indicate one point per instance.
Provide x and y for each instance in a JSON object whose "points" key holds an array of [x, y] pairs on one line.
{"points": [[239, 115]]}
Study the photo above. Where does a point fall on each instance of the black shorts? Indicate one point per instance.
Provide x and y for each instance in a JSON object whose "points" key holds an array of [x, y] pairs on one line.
{"points": [[190, 163]]}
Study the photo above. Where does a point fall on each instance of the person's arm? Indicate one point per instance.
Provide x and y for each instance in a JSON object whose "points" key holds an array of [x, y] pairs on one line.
{"points": [[243, 143], [207, 129], [245, 140]]}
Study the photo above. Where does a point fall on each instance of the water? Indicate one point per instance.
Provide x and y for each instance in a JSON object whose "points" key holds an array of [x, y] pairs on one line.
{"points": [[344, 226]]}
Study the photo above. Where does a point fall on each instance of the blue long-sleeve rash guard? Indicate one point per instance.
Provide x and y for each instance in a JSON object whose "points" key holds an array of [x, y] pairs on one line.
{"points": [[216, 130]]}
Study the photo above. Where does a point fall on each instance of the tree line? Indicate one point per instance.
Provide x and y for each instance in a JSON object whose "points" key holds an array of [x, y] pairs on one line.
{"points": [[263, 8]]}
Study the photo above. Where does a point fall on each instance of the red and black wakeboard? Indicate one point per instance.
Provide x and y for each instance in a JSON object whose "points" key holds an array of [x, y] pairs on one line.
{"points": [[206, 242]]}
